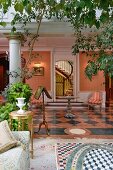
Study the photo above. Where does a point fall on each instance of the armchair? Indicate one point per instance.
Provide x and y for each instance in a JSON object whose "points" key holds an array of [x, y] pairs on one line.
{"points": [[95, 100], [17, 158]]}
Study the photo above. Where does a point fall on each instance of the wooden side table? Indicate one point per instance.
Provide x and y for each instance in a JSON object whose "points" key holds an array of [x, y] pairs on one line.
{"points": [[22, 118]]}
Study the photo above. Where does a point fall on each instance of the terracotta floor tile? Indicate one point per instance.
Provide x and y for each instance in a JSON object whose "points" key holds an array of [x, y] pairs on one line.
{"points": [[95, 124]]}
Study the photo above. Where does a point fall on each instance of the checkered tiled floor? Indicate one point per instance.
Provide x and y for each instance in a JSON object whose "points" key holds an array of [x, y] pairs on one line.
{"points": [[100, 125]]}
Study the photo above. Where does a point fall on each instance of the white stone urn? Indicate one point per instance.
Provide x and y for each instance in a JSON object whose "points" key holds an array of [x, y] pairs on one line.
{"points": [[20, 104]]}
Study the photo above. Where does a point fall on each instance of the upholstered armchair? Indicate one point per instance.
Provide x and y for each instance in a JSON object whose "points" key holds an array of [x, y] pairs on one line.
{"points": [[17, 158], [95, 99]]}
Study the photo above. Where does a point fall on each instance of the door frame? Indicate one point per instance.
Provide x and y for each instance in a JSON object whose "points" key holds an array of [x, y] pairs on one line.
{"points": [[65, 55]]}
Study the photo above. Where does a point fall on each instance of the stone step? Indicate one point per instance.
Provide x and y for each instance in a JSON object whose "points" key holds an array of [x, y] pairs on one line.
{"points": [[64, 104]]}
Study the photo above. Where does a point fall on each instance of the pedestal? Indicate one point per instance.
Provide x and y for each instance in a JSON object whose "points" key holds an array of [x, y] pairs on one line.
{"points": [[69, 115]]}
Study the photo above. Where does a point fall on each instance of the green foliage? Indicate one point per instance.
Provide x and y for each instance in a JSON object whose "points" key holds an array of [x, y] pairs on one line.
{"points": [[83, 13], [5, 110], [91, 69], [103, 42], [4, 114], [80, 13], [17, 90], [14, 91], [103, 62]]}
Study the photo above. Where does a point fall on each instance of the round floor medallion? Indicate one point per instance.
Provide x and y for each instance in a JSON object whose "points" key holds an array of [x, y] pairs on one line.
{"points": [[77, 131]]}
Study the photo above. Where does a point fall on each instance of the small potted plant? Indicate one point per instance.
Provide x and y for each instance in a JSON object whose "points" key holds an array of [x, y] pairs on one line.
{"points": [[16, 90]]}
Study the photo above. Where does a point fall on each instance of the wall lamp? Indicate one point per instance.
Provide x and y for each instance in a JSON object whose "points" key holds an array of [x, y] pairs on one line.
{"points": [[38, 69]]}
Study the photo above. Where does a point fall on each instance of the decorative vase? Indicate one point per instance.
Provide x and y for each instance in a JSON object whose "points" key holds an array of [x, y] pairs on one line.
{"points": [[20, 104]]}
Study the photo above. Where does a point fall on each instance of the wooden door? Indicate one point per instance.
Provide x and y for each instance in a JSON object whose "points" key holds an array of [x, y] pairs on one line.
{"points": [[109, 90], [1, 77], [4, 78]]}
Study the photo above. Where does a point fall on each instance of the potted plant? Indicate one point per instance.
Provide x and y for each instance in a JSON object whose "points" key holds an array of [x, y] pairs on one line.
{"points": [[16, 90]]}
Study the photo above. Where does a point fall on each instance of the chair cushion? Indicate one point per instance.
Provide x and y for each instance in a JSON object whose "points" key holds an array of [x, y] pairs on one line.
{"points": [[95, 99], [7, 140]]}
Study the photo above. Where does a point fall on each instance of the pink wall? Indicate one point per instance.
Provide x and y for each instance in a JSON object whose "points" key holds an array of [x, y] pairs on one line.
{"points": [[45, 80], [85, 84]]}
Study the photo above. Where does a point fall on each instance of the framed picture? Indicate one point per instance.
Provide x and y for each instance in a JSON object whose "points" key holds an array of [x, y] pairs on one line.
{"points": [[39, 71]]}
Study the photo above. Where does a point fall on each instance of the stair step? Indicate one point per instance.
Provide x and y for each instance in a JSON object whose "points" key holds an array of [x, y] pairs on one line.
{"points": [[61, 104], [65, 101]]}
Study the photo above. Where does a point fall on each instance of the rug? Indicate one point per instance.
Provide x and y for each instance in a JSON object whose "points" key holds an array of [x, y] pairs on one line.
{"points": [[46, 155], [77, 156]]}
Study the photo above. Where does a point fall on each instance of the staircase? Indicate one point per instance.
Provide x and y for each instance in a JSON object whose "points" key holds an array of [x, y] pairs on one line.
{"points": [[64, 78]]}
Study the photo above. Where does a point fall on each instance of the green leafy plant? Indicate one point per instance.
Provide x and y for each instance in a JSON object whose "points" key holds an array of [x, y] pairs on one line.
{"points": [[5, 110], [82, 14], [91, 69], [17, 90], [4, 113], [101, 45]]}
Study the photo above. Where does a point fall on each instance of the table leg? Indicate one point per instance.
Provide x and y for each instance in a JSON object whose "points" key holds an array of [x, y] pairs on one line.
{"points": [[19, 125], [23, 124], [31, 137], [10, 123]]}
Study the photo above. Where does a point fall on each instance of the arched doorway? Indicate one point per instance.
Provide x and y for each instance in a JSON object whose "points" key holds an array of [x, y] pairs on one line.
{"points": [[64, 78]]}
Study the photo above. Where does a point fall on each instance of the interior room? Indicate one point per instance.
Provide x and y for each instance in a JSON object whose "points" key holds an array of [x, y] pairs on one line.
{"points": [[56, 85]]}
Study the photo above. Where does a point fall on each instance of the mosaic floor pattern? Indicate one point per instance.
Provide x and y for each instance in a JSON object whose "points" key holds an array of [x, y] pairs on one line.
{"points": [[77, 156], [49, 153]]}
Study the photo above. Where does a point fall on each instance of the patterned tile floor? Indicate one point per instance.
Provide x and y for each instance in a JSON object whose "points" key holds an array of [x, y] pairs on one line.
{"points": [[95, 124]]}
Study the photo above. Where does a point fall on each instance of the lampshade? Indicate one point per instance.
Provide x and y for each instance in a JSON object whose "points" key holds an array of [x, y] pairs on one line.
{"points": [[38, 64]]}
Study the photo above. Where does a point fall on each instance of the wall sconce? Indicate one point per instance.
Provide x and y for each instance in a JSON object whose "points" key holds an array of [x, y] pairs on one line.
{"points": [[38, 69]]}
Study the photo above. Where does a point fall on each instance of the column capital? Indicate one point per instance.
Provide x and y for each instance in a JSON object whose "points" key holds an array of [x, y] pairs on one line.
{"points": [[16, 36]]}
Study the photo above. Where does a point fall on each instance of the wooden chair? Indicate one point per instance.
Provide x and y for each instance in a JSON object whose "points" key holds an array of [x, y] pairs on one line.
{"points": [[95, 100]]}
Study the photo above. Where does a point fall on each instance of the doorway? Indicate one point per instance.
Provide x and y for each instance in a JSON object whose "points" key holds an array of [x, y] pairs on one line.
{"points": [[109, 90], [4, 68], [64, 78]]}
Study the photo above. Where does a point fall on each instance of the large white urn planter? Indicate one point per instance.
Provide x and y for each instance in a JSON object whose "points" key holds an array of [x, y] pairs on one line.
{"points": [[20, 104]]}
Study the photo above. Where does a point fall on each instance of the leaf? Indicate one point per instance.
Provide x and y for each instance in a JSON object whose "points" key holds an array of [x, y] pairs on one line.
{"points": [[3, 24], [25, 2], [13, 29], [19, 7], [28, 8], [104, 17], [82, 4], [97, 23], [88, 3]]}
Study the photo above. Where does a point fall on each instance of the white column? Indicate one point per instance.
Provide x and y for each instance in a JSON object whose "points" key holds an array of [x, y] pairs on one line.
{"points": [[14, 59]]}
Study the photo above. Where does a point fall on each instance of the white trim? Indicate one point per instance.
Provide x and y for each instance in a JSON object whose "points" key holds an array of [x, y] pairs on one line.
{"points": [[52, 74], [78, 73], [37, 49], [65, 54]]}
